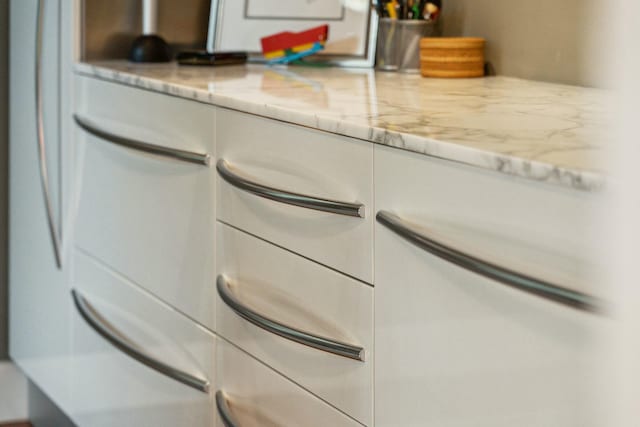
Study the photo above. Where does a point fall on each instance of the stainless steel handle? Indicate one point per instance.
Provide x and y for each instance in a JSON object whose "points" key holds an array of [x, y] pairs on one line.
{"points": [[124, 344], [158, 150], [288, 197], [484, 268], [225, 412], [56, 234], [293, 334]]}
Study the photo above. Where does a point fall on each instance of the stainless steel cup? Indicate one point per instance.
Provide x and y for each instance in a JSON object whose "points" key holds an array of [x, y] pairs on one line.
{"points": [[399, 43]]}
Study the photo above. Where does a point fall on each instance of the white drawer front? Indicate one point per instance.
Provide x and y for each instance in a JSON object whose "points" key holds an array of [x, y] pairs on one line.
{"points": [[305, 162], [454, 348], [149, 217], [256, 396], [302, 295], [110, 387]]}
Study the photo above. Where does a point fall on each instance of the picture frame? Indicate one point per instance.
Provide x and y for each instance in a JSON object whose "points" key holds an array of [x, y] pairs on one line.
{"points": [[238, 25]]}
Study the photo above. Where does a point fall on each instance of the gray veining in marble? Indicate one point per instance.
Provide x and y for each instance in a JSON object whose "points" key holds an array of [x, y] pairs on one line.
{"points": [[540, 131]]}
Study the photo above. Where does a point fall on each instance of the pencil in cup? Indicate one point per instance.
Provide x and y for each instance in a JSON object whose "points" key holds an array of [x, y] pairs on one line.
{"points": [[428, 10]]}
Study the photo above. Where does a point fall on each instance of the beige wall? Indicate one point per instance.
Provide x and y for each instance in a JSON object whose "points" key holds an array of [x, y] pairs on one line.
{"points": [[110, 27], [546, 40], [4, 32]]}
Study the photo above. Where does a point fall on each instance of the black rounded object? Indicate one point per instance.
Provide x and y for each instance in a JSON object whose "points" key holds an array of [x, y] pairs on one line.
{"points": [[150, 48]]}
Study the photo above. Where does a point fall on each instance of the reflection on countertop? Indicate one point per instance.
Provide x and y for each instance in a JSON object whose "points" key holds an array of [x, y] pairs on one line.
{"points": [[541, 131]]}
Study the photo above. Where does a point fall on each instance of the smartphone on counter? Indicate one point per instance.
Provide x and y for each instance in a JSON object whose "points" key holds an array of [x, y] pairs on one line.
{"points": [[211, 59]]}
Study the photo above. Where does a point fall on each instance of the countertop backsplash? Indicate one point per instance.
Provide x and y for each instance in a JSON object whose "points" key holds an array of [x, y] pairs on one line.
{"points": [[547, 40]]}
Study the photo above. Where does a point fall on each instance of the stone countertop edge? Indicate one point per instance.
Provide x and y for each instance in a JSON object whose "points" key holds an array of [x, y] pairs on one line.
{"points": [[502, 163]]}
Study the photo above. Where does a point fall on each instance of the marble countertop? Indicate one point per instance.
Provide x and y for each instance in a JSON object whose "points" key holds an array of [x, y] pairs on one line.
{"points": [[540, 131]]}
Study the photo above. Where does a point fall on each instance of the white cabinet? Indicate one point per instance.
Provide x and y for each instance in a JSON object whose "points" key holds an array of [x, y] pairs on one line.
{"points": [[40, 192], [136, 361], [274, 168], [478, 314], [146, 200], [454, 348]]}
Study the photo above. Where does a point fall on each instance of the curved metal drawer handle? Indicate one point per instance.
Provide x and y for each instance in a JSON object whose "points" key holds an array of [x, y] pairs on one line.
{"points": [[122, 343], [56, 235], [225, 412], [158, 150], [287, 197], [487, 269], [293, 334]]}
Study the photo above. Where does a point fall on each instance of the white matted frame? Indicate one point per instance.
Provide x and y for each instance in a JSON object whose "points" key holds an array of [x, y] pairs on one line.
{"points": [[237, 25]]}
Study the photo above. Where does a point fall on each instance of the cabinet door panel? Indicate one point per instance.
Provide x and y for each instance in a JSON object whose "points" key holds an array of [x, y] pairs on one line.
{"points": [[129, 385], [150, 218], [297, 160], [39, 308], [257, 396], [454, 348], [299, 294]]}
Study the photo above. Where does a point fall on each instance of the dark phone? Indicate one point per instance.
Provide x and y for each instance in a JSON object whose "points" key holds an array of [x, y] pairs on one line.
{"points": [[211, 59]]}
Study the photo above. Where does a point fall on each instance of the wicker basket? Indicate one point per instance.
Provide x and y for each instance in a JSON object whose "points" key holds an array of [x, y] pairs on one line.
{"points": [[457, 57]]}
